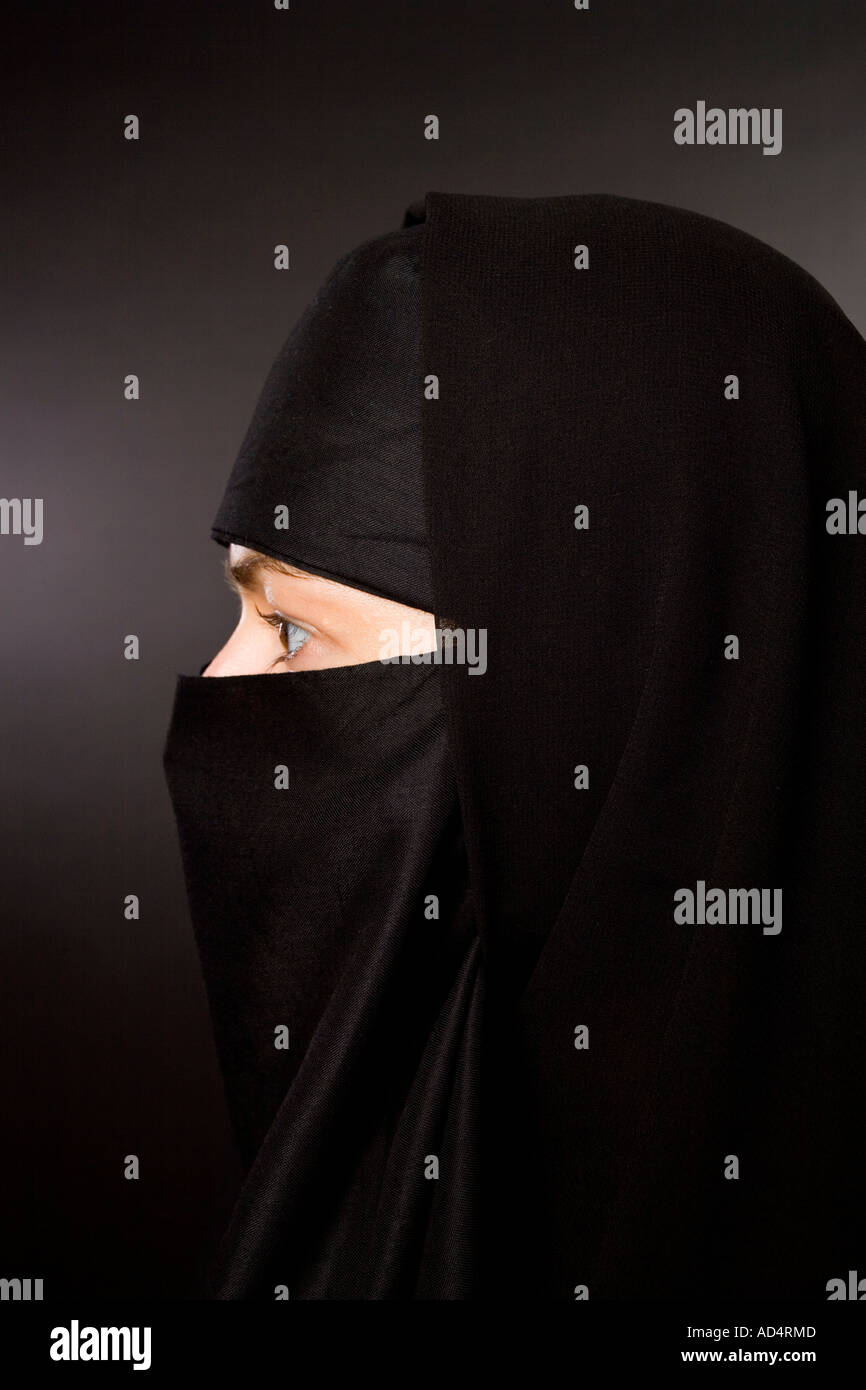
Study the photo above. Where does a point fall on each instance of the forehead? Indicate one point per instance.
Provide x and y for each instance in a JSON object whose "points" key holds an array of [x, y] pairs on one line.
{"points": [[249, 571], [242, 557], [239, 552], [326, 599], [246, 568]]}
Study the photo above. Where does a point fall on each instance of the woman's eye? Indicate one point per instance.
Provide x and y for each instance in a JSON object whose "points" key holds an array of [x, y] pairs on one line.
{"points": [[290, 634]]}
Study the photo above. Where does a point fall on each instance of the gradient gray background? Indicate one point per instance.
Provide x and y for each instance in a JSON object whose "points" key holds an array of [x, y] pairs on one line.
{"points": [[257, 127]]}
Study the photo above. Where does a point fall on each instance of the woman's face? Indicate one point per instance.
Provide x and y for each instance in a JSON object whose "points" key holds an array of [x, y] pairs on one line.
{"points": [[293, 621]]}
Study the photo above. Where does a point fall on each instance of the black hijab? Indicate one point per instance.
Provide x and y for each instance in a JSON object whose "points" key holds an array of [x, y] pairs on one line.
{"points": [[332, 915], [564, 1085], [329, 475]]}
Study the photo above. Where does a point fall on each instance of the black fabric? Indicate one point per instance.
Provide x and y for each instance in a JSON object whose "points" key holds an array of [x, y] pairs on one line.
{"points": [[606, 387], [311, 913], [334, 445], [563, 1167]]}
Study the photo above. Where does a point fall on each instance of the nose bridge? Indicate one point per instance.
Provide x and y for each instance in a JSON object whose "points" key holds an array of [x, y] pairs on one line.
{"points": [[232, 659]]}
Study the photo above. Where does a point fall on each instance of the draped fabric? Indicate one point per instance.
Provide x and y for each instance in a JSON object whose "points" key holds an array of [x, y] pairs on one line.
{"points": [[640, 417], [610, 387], [329, 474], [311, 912]]}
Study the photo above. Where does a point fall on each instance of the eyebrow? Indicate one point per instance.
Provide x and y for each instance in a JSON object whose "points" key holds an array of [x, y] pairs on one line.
{"points": [[245, 573]]}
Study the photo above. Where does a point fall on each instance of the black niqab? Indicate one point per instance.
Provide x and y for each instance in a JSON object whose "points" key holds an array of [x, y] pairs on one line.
{"points": [[332, 913], [583, 1067]]}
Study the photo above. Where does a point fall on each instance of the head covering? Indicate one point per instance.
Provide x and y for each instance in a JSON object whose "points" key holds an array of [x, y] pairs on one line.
{"points": [[322, 844], [329, 474], [633, 1070]]}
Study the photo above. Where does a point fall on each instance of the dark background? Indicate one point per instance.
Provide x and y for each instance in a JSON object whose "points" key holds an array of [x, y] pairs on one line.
{"points": [[156, 257]]}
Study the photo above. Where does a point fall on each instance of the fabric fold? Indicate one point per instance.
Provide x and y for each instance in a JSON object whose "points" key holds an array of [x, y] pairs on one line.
{"points": [[667, 408], [633, 425]]}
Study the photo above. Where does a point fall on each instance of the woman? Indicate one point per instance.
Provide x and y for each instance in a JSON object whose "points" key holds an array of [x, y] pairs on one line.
{"points": [[548, 984]]}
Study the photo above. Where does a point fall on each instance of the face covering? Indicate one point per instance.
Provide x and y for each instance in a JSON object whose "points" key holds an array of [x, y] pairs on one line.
{"points": [[626, 1060], [322, 845], [340, 1001]]}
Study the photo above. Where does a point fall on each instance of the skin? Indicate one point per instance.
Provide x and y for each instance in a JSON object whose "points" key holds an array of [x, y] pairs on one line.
{"points": [[340, 626]]}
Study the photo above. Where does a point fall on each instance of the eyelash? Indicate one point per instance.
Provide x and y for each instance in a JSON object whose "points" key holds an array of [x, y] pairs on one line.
{"points": [[284, 627]]}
